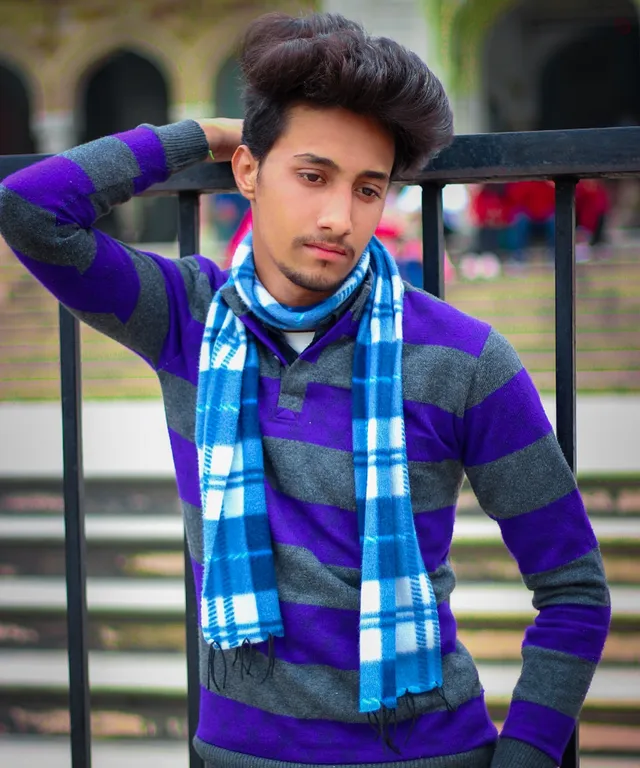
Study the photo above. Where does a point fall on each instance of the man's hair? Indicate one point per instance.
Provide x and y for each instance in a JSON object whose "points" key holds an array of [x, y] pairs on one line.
{"points": [[326, 60]]}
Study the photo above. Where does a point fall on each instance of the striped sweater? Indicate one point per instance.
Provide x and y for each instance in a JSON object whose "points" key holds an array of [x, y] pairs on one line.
{"points": [[469, 406]]}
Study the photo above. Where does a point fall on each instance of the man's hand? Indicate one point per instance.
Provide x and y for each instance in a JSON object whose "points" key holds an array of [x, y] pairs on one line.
{"points": [[224, 136]]}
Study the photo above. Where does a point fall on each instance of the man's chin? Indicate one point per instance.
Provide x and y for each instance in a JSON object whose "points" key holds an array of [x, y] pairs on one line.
{"points": [[314, 281]]}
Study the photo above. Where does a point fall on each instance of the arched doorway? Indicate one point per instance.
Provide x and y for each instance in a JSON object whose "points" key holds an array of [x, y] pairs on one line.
{"points": [[15, 114], [593, 81], [228, 89], [124, 91], [562, 64]]}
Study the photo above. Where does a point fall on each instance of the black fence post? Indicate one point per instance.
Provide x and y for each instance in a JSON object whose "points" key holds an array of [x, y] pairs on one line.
{"points": [[75, 542], [189, 239], [566, 354], [432, 240]]}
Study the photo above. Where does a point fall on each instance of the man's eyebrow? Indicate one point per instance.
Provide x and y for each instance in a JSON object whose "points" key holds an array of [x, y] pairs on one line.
{"points": [[329, 163]]}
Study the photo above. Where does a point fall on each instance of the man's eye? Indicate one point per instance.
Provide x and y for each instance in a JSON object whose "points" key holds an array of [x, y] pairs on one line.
{"points": [[369, 192], [312, 177]]}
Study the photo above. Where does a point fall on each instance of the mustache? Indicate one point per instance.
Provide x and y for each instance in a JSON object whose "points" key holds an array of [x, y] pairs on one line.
{"points": [[337, 242]]}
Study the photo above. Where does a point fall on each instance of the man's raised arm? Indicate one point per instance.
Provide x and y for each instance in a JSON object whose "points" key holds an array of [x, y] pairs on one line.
{"points": [[47, 217]]}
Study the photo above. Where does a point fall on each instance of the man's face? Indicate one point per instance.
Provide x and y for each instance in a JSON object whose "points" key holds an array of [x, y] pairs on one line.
{"points": [[316, 200]]}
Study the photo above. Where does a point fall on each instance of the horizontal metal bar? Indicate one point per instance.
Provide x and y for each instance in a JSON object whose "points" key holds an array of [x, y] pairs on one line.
{"points": [[584, 153]]}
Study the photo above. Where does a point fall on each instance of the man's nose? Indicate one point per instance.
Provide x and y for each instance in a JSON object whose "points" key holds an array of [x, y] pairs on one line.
{"points": [[336, 214]]}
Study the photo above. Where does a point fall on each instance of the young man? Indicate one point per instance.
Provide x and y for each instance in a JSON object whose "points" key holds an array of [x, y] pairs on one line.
{"points": [[322, 415]]}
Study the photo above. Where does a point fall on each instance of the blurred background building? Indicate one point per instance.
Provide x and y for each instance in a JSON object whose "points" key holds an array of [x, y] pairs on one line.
{"points": [[74, 70]]}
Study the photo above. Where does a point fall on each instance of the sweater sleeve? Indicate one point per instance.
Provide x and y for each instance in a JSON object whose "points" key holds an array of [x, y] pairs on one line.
{"points": [[47, 217], [521, 479]]}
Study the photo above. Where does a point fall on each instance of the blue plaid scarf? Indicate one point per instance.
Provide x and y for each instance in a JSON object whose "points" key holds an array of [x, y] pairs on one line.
{"points": [[399, 629]]}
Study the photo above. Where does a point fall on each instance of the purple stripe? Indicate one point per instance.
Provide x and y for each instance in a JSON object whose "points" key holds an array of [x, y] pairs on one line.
{"points": [[185, 460], [54, 184], [431, 432], [546, 729], [508, 420], [149, 153], [330, 533], [427, 321], [259, 331], [448, 628], [580, 630], [329, 636], [346, 326], [317, 635], [111, 285], [551, 536], [247, 730], [434, 531], [316, 424]]}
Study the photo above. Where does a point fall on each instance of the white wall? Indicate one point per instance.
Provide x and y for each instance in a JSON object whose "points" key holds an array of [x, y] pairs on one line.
{"points": [[129, 439]]}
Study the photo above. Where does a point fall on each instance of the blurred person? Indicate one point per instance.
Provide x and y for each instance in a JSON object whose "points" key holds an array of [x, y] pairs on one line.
{"points": [[533, 206], [321, 415], [592, 209], [493, 215], [228, 210]]}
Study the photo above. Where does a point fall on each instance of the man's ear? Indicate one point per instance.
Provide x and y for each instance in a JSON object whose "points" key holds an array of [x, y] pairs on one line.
{"points": [[245, 170]]}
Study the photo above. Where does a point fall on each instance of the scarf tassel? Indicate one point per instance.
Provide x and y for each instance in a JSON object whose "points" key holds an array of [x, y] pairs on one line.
{"points": [[246, 655]]}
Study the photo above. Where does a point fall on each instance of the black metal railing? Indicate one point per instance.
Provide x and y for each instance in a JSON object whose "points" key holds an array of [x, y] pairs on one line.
{"points": [[562, 156]]}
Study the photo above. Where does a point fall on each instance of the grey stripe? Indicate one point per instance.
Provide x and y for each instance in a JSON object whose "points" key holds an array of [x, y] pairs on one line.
{"points": [[318, 475], [333, 368], [571, 677], [310, 473], [184, 143], [270, 365], [31, 230], [437, 376], [304, 581], [179, 397], [192, 516], [513, 753], [477, 758], [293, 387], [498, 364], [198, 288], [112, 171], [310, 692], [580, 582], [146, 329], [434, 485], [524, 480]]}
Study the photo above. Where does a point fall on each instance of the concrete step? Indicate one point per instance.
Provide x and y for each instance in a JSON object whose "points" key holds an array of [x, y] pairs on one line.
{"points": [[166, 597], [165, 674], [29, 751], [104, 529]]}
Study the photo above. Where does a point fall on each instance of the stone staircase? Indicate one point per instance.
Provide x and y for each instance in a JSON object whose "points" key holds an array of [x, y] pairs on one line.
{"points": [[520, 305], [136, 632]]}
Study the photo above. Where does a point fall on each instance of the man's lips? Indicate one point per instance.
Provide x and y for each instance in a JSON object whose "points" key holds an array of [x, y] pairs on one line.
{"points": [[327, 252]]}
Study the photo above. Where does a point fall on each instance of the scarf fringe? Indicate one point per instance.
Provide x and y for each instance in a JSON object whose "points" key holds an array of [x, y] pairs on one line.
{"points": [[385, 721], [246, 655]]}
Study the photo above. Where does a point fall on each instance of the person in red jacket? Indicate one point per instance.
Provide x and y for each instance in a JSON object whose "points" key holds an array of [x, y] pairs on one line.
{"points": [[533, 205]]}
